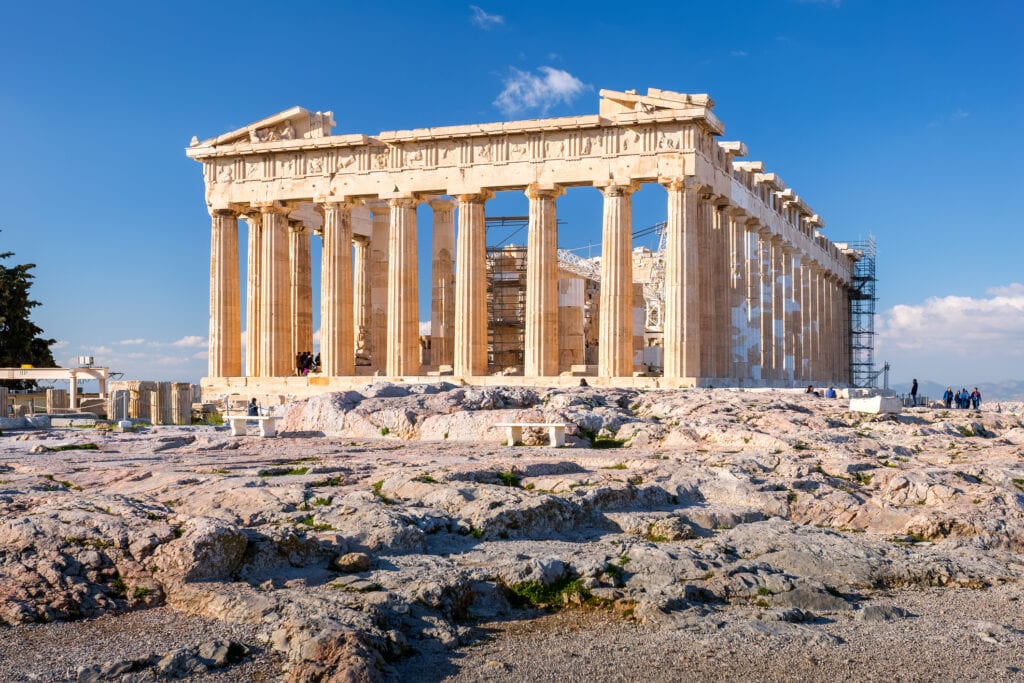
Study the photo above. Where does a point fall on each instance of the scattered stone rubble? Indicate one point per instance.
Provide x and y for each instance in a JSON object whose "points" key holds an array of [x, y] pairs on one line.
{"points": [[387, 522]]}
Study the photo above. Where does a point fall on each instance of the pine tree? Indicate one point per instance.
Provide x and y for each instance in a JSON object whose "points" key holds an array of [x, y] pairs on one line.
{"points": [[20, 340]]}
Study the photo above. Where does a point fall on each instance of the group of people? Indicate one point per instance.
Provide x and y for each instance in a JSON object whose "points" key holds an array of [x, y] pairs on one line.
{"points": [[828, 393], [306, 362], [962, 398]]}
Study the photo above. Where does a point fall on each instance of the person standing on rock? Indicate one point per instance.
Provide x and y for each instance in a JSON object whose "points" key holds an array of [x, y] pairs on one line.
{"points": [[947, 397], [976, 398], [913, 393]]}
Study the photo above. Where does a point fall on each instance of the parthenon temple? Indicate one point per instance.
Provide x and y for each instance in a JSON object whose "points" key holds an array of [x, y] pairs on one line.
{"points": [[745, 290]]}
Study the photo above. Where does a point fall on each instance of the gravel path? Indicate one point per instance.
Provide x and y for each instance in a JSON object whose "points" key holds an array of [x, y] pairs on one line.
{"points": [[53, 652], [953, 635]]}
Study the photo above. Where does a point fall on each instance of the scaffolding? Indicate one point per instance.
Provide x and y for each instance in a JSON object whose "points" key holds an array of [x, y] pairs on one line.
{"points": [[862, 316], [506, 295]]}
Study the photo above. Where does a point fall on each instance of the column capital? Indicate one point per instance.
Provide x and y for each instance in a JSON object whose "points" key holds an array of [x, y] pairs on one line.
{"points": [[544, 191], [407, 202], [441, 204], [323, 202], [475, 197], [271, 207], [223, 213], [296, 226], [681, 183], [614, 189]]}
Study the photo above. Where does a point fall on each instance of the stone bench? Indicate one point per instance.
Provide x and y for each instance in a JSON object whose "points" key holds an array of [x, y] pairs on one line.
{"points": [[268, 424], [514, 431]]}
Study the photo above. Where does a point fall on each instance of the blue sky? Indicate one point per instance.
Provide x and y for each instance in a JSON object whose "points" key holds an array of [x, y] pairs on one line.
{"points": [[900, 119]]}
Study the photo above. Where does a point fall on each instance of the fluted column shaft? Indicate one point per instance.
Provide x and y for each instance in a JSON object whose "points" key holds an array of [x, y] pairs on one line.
{"points": [[379, 269], [361, 294], [722, 283], [800, 291], [737, 297], [541, 338], [337, 330], [817, 373], [225, 359], [767, 306], [778, 310], [752, 333], [301, 294], [470, 343], [615, 331], [275, 319], [442, 276], [706, 286], [403, 349], [253, 290], [682, 289], [790, 316]]}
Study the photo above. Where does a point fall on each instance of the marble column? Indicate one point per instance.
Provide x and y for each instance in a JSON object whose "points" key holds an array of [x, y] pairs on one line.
{"points": [[337, 336], [379, 246], [706, 286], [225, 313], [790, 315], [817, 375], [301, 294], [737, 294], [470, 343], [442, 275], [402, 357], [764, 239], [722, 276], [800, 292], [361, 298], [253, 287], [615, 331], [778, 310], [541, 337], [682, 289], [275, 343], [753, 295]]}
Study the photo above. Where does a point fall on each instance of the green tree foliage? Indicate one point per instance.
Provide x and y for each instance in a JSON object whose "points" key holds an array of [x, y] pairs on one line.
{"points": [[20, 340]]}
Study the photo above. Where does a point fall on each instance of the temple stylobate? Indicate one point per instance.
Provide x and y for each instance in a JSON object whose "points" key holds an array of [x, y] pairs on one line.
{"points": [[750, 293]]}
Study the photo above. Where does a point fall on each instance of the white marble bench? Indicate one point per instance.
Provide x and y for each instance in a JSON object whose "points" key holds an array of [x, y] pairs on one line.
{"points": [[514, 431], [268, 424]]}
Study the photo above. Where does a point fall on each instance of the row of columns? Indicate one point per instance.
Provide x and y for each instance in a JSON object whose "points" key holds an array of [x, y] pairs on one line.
{"points": [[738, 301]]}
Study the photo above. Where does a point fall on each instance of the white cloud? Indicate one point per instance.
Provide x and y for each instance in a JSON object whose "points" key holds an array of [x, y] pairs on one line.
{"points": [[526, 91], [191, 341], [98, 350], [738, 53], [982, 334], [424, 328], [484, 20], [62, 344], [130, 342]]}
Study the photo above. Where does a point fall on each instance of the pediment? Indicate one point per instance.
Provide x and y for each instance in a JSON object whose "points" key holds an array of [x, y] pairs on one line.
{"points": [[291, 124]]}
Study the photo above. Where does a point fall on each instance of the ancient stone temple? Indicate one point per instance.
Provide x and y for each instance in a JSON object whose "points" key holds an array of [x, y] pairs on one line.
{"points": [[748, 291]]}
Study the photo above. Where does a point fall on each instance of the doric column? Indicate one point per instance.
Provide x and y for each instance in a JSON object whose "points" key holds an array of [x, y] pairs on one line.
{"points": [[706, 277], [764, 239], [778, 309], [275, 343], [361, 297], [253, 288], [722, 282], [815, 328], [800, 291], [844, 334], [790, 314], [737, 296], [442, 276], [403, 348], [225, 313], [470, 343], [301, 294], [615, 331], [682, 289], [753, 294], [379, 249], [541, 338], [337, 336]]}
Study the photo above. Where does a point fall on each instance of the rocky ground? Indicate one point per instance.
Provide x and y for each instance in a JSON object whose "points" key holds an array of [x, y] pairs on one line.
{"points": [[388, 533]]}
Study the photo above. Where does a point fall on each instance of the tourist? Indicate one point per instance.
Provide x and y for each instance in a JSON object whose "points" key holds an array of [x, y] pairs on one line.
{"points": [[913, 393], [959, 399], [254, 408], [947, 397], [583, 382], [810, 389], [965, 398], [976, 398], [830, 392]]}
